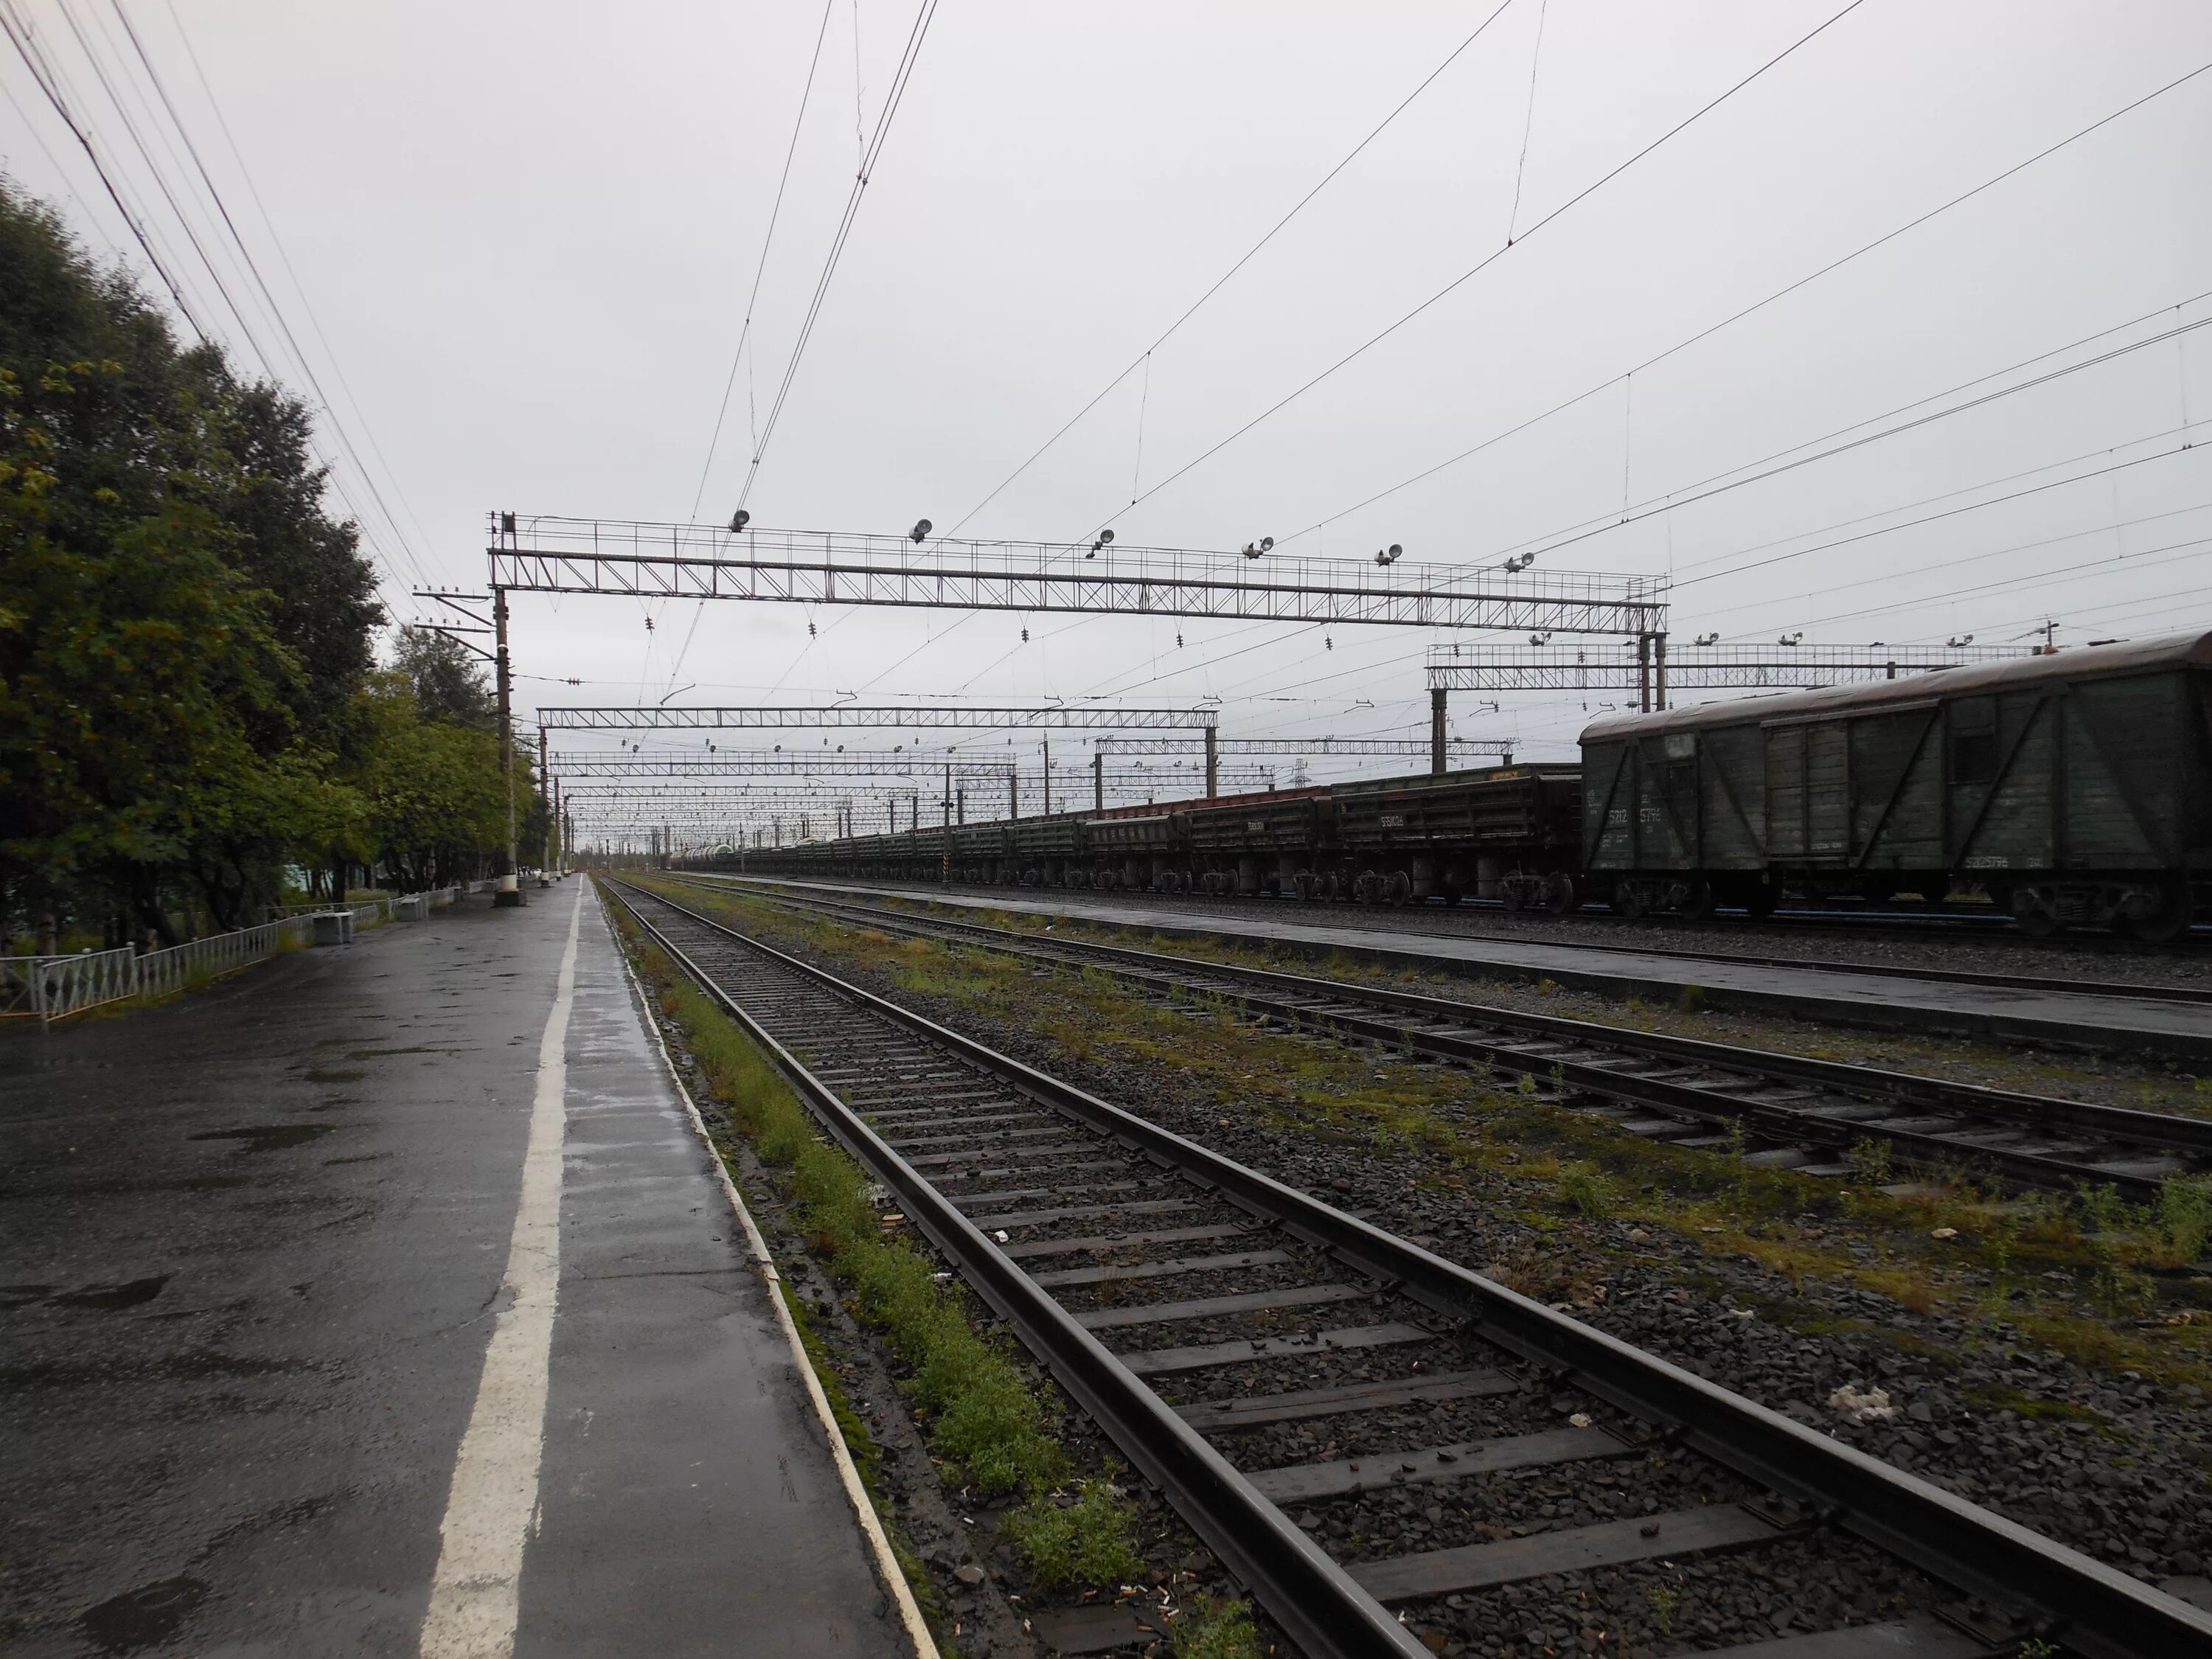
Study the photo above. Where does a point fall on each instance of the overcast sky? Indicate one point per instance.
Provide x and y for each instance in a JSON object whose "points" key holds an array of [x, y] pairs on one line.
{"points": [[528, 233]]}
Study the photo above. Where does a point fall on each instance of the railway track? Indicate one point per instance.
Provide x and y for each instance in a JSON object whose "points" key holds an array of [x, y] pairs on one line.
{"points": [[1214, 1322], [1449, 923], [1779, 1111]]}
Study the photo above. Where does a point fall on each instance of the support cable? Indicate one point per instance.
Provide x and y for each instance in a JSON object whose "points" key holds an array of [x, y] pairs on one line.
{"points": [[1141, 359], [1566, 207], [891, 102], [1735, 318], [745, 333]]}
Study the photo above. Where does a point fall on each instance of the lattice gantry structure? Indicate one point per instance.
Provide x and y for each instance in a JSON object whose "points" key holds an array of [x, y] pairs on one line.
{"points": [[1409, 747], [922, 717], [536, 553], [1649, 670], [1198, 725]]}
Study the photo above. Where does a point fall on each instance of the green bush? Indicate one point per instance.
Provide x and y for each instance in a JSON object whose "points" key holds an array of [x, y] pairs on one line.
{"points": [[1587, 1191], [2184, 1215], [1085, 1541], [1217, 1629]]}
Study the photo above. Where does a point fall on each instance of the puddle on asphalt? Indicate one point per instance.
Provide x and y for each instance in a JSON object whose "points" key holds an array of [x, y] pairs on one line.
{"points": [[420, 1049], [107, 1297], [268, 1137], [320, 1075], [139, 1617]]}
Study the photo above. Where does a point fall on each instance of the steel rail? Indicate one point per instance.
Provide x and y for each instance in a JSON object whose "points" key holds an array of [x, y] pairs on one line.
{"points": [[1814, 921], [2163, 1132], [2059, 1593], [1307, 1593]]}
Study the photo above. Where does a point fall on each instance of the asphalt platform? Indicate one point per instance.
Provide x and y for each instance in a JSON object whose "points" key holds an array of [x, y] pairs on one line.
{"points": [[2065, 1018], [264, 1287]]}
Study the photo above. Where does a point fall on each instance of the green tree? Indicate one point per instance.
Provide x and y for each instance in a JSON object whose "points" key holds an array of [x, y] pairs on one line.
{"points": [[184, 631]]}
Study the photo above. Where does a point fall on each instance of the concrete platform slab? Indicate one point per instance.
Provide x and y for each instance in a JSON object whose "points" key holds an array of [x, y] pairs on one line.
{"points": [[253, 1246]]}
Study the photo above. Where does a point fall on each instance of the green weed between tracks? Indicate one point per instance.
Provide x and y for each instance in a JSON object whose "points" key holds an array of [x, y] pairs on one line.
{"points": [[983, 1420]]}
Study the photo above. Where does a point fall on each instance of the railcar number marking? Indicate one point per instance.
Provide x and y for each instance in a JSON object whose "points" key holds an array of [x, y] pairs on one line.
{"points": [[1392, 820]]}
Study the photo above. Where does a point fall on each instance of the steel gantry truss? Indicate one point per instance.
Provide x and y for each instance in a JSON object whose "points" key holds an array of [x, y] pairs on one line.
{"points": [[551, 555], [1313, 747], [1043, 717], [943, 717], [1692, 667]]}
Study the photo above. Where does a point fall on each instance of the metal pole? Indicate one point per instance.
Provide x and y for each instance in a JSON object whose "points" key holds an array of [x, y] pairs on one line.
{"points": [[546, 797], [509, 893], [960, 803], [1097, 780], [1013, 792], [1438, 696], [1212, 765], [1659, 669], [1644, 673], [1048, 777]]}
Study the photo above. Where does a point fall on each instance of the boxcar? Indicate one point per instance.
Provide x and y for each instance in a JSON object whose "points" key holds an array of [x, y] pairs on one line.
{"points": [[2072, 788]]}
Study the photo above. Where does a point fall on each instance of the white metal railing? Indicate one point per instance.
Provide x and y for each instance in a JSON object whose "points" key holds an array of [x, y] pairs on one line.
{"points": [[50, 988], [161, 972]]}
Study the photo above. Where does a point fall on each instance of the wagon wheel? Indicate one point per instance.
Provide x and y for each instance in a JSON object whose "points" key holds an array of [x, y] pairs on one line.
{"points": [[2169, 921], [1698, 901], [1561, 897], [1627, 903], [2033, 916]]}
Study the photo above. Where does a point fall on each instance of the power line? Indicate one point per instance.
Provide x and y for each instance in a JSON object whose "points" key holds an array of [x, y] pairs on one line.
{"points": [[54, 83], [1669, 504], [253, 270], [1460, 281], [1222, 281], [34, 59], [1934, 518], [844, 229], [284, 258], [767, 241], [1735, 318]]}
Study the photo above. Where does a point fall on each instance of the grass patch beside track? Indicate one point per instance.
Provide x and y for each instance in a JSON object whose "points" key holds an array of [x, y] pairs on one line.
{"points": [[988, 1427], [2089, 1277]]}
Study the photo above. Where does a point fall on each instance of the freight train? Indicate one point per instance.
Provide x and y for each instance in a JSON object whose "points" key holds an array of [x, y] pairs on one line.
{"points": [[2072, 788]]}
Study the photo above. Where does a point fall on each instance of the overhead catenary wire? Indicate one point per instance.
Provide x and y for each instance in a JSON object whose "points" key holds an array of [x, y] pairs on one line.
{"points": [[1757, 306], [1691, 495], [869, 161], [767, 240], [1142, 358], [1483, 264]]}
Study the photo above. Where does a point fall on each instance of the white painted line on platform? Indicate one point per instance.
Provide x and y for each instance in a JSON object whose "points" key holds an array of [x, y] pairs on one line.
{"points": [[849, 1474], [492, 1506]]}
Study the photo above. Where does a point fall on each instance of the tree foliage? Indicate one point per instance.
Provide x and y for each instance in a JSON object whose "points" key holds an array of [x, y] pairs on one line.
{"points": [[188, 697]]}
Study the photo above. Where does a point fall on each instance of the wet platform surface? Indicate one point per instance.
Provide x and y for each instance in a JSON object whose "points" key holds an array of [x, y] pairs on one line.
{"points": [[2069, 1018], [253, 1247]]}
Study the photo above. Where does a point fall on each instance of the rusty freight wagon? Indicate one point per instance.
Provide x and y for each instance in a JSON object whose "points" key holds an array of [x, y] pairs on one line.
{"points": [[2072, 788]]}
